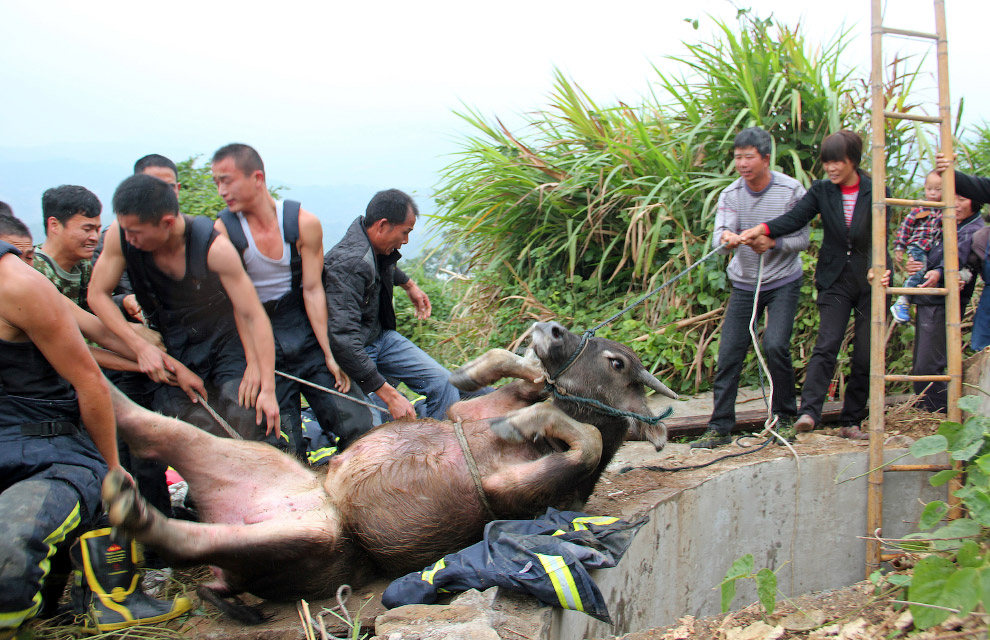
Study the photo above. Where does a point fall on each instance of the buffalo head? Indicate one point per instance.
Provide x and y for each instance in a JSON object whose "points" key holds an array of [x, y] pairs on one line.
{"points": [[605, 370]]}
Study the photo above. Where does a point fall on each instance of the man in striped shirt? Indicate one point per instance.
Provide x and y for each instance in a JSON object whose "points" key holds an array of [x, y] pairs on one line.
{"points": [[758, 195]]}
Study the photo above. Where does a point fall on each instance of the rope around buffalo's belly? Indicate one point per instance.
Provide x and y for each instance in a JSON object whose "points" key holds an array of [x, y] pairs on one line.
{"points": [[473, 468]]}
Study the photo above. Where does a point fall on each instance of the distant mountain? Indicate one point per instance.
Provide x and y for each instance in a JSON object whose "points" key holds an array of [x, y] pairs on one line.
{"points": [[337, 205], [23, 181]]}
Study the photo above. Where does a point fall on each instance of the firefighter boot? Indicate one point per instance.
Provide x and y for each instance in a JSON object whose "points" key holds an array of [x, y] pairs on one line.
{"points": [[106, 586]]}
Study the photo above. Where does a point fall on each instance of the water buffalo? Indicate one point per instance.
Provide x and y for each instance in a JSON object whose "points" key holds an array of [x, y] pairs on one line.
{"points": [[405, 493]]}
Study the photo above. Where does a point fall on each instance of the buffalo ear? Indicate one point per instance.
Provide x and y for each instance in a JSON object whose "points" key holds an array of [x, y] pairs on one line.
{"points": [[649, 380]]}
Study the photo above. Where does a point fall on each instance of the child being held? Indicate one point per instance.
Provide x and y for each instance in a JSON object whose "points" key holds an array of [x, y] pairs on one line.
{"points": [[918, 233]]}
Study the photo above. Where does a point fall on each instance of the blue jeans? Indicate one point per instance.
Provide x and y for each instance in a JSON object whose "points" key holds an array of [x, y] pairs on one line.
{"points": [[734, 343], [398, 358], [919, 254]]}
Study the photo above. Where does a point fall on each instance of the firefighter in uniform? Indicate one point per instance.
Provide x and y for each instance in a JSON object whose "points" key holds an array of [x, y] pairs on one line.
{"points": [[57, 440]]}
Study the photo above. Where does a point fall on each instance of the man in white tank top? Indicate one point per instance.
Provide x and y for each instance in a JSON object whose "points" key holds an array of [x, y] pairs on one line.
{"points": [[297, 310]]}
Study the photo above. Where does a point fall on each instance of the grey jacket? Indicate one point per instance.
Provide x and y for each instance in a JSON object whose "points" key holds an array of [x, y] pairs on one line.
{"points": [[359, 301]]}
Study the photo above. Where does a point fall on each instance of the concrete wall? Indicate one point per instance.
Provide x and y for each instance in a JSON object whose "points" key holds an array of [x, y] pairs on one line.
{"points": [[801, 524]]}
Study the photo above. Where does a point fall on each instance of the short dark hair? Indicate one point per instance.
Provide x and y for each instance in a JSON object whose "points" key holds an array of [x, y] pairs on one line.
{"points": [[390, 205], [11, 226], [5, 210], [147, 197], [246, 159], [155, 160], [66, 201], [842, 145], [754, 137]]}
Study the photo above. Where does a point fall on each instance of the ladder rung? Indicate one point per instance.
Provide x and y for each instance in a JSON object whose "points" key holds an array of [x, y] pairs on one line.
{"points": [[901, 202], [918, 467], [896, 377], [887, 557], [918, 291], [910, 34], [910, 116]]}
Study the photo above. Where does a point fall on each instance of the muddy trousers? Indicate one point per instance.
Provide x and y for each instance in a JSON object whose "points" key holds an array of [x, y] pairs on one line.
{"points": [[298, 353], [218, 358], [37, 517]]}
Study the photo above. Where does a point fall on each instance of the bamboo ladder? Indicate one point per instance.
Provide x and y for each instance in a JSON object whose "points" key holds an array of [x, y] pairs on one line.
{"points": [[953, 333]]}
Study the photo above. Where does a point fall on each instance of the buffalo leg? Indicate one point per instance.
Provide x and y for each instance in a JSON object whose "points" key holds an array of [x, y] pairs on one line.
{"points": [[266, 558], [229, 479], [494, 365], [550, 479], [491, 367]]}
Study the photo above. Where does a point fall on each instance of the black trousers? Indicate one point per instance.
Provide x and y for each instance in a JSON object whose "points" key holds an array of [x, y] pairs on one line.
{"points": [[930, 355], [49, 493], [850, 294], [735, 342], [298, 353]]}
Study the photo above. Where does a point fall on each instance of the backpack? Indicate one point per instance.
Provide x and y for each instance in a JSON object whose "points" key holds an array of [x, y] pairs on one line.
{"points": [[290, 234]]}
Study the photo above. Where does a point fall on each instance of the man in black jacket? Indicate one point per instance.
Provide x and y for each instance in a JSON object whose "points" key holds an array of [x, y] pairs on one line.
{"points": [[359, 275]]}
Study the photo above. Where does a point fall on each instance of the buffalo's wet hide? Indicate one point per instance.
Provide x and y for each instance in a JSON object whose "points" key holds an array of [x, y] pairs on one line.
{"points": [[548, 557]]}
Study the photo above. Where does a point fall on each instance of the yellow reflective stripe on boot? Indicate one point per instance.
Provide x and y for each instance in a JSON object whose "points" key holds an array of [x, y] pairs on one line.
{"points": [[13, 619], [109, 600], [563, 582]]}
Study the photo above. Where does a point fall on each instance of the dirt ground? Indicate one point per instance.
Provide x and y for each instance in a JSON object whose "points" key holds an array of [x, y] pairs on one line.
{"points": [[856, 612]]}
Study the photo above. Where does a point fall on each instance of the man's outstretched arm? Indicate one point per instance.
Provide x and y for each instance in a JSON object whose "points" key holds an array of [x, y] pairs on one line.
{"points": [[314, 296], [258, 384]]}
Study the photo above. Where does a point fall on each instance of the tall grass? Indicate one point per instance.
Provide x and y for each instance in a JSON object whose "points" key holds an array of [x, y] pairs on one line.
{"points": [[588, 204]]}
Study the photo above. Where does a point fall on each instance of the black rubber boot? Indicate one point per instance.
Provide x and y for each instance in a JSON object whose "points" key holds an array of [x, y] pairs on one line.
{"points": [[106, 586]]}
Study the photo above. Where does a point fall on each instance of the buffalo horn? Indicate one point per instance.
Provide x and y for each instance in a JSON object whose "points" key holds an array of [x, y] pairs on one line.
{"points": [[651, 381]]}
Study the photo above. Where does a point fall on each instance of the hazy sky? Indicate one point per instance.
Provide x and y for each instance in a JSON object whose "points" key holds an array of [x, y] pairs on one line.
{"points": [[356, 94]]}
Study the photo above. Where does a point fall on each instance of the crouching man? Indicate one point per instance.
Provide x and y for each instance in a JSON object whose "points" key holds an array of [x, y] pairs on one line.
{"points": [[57, 440], [193, 289]]}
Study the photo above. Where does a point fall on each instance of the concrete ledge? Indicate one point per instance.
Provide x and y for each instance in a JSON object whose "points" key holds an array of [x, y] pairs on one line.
{"points": [[793, 517]]}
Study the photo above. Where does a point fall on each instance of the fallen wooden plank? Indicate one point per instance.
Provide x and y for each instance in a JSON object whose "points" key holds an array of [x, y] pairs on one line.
{"points": [[752, 420]]}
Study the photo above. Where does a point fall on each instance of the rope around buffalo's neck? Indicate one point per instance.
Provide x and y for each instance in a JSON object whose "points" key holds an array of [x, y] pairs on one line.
{"points": [[554, 387]]}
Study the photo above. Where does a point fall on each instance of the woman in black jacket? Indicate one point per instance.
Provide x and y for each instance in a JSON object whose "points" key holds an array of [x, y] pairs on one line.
{"points": [[844, 202]]}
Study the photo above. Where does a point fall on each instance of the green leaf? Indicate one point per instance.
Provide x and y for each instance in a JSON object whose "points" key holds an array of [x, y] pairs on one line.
{"points": [[961, 528], [741, 567], [876, 577], [985, 587], [929, 445], [942, 477], [978, 504], [932, 514], [766, 588], [983, 462], [930, 576], [969, 554], [899, 579], [971, 404], [949, 430], [968, 451], [962, 591], [728, 594]]}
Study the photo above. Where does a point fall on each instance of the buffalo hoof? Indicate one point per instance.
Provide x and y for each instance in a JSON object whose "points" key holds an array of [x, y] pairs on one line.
{"points": [[462, 381], [505, 430], [125, 507]]}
